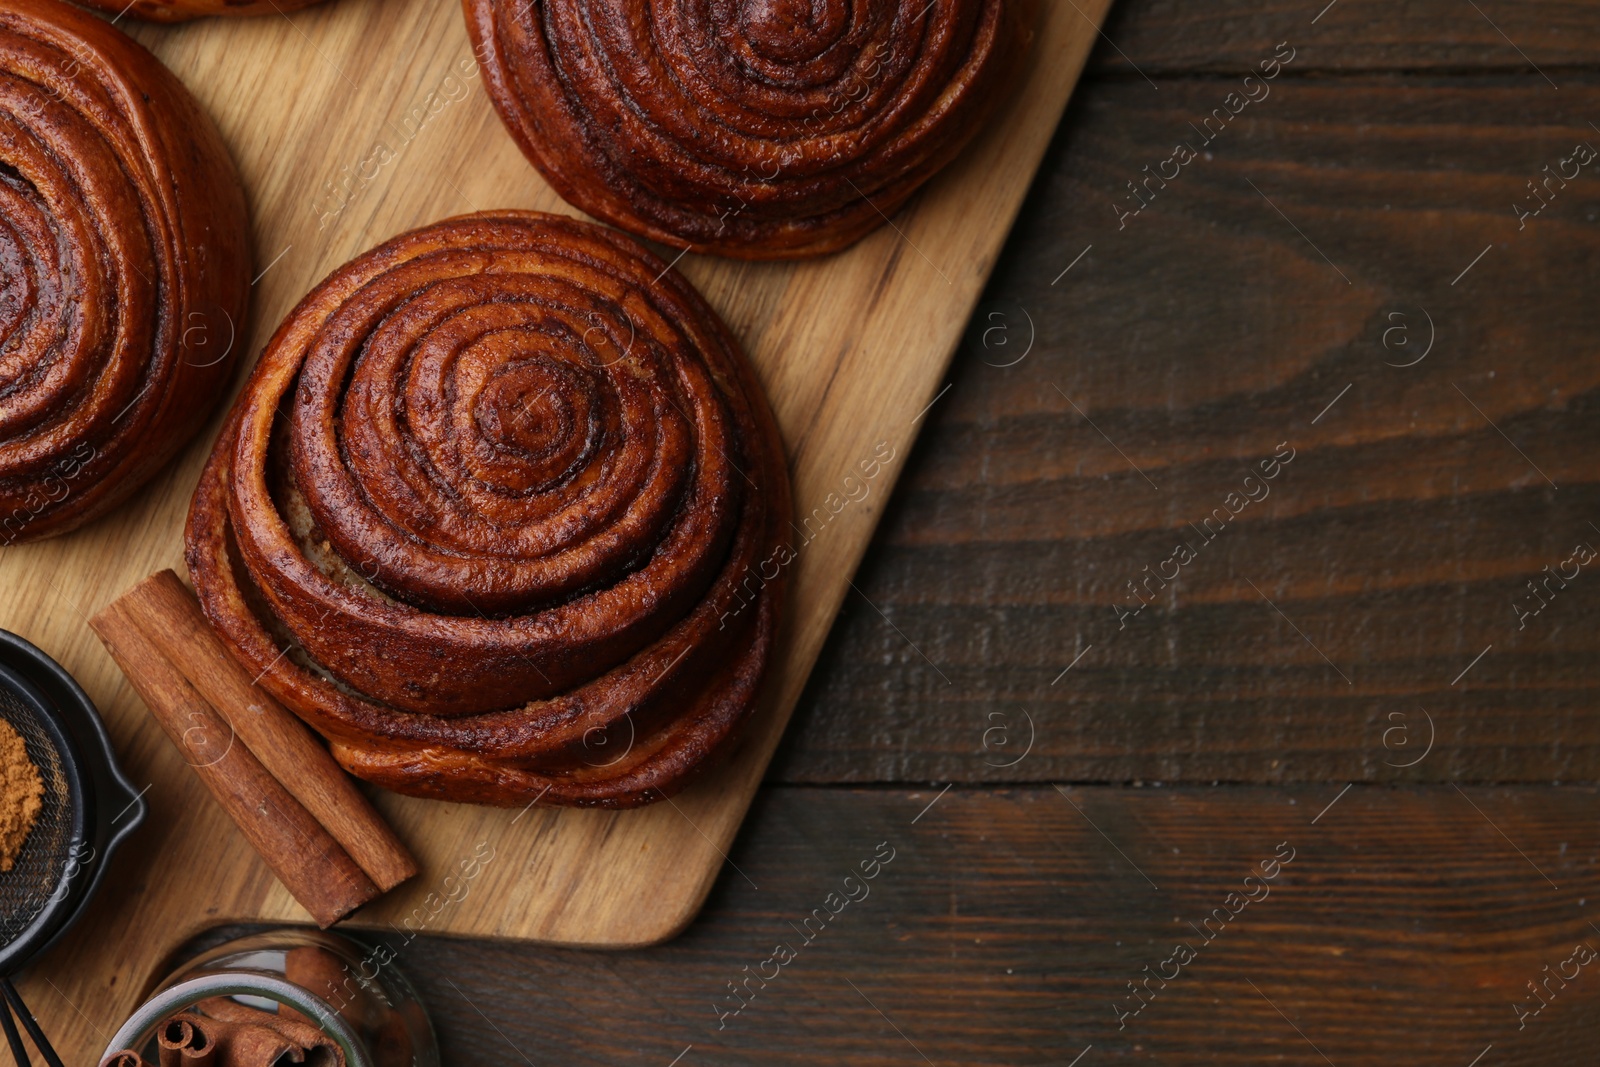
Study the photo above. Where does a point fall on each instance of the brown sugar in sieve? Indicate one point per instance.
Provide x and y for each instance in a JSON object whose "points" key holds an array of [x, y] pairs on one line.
{"points": [[21, 795]]}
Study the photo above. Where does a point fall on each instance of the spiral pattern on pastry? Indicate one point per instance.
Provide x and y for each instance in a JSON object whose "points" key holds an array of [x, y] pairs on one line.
{"points": [[502, 513], [750, 128], [183, 10], [123, 267]]}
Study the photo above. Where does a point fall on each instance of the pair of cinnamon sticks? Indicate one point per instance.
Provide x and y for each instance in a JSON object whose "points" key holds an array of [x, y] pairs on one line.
{"points": [[300, 811]]}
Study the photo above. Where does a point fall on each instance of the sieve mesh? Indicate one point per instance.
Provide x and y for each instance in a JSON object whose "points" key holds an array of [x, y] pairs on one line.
{"points": [[37, 878]]}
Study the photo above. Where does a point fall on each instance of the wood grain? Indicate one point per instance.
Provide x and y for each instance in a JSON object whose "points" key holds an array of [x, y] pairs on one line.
{"points": [[1404, 929], [1224, 36], [1398, 543], [1412, 928], [386, 128]]}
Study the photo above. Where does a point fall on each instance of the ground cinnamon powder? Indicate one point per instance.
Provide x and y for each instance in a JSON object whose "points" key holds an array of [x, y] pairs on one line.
{"points": [[21, 795]]}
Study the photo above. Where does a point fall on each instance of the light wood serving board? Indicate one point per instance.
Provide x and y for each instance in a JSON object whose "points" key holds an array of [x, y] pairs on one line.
{"points": [[351, 122]]}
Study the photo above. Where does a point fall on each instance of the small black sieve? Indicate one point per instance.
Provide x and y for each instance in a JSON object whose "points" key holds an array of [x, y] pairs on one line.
{"points": [[88, 809]]}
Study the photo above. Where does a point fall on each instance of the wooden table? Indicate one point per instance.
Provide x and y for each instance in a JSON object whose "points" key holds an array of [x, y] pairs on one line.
{"points": [[1349, 670]]}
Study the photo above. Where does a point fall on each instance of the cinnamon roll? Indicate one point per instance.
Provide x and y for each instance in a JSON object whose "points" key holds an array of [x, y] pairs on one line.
{"points": [[124, 267], [750, 128], [502, 513], [183, 10]]}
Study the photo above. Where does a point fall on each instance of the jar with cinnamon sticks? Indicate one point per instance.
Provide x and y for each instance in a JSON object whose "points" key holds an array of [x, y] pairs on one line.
{"points": [[289, 996]]}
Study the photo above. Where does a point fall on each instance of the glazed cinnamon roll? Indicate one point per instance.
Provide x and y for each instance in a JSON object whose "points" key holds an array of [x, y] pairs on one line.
{"points": [[183, 10], [750, 128], [502, 513], [124, 267]]}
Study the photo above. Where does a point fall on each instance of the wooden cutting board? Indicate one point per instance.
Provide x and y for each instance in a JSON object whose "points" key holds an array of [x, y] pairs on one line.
{"points": [[356, 120]]}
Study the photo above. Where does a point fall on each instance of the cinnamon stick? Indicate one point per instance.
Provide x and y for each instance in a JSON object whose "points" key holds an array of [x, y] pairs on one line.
{"points": [[125, 1058], [320, 972], [167, 612], [246, 1045], [307, 860], [182, 1043], [260, 1046], [250, 1037]]}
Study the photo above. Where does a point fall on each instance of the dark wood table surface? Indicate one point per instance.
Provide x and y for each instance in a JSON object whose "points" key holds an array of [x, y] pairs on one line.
{"points": [[1354, 336]]}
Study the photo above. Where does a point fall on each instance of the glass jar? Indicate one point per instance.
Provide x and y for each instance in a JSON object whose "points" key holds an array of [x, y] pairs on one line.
{"points": [[352, 994]]}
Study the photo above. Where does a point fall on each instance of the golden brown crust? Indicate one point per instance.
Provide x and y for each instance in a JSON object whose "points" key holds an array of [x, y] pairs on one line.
{"points": [[501, 512], [183, 10], [124, 245], [751, 128]]}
